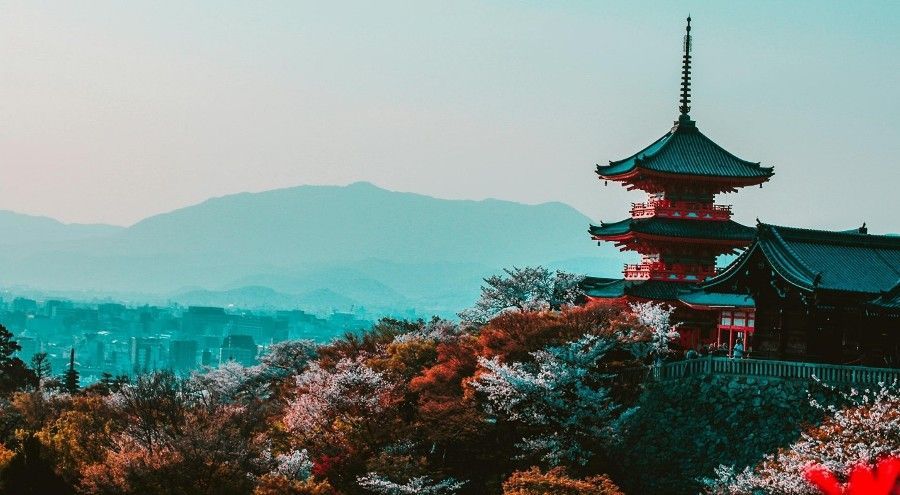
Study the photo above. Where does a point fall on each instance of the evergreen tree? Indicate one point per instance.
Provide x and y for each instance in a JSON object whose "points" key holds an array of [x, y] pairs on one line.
{"points": [[40, 365], [14, 374], [70, 378]]}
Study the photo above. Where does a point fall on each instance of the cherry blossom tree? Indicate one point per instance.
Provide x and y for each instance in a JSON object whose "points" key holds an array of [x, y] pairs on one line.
{"points": [[422, 485], [295, 465], [658, 318], [523, 289], [348, 394], [562, 394]]}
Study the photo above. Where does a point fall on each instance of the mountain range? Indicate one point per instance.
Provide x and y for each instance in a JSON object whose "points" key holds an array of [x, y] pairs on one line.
{"points": [[315, 247]]}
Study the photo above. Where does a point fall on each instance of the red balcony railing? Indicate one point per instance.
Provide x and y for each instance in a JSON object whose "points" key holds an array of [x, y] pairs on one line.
{"points": [[680, 209], [674, 272]]}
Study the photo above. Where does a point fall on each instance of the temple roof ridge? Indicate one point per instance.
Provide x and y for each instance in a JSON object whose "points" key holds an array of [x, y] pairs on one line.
{"points": [[820, 259]]}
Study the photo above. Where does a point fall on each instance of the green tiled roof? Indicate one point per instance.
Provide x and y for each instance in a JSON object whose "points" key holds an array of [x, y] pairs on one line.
{"points": [[647, 289], [669, 227], [604, 287], [717, 299], [685, 150], [824, 260]]}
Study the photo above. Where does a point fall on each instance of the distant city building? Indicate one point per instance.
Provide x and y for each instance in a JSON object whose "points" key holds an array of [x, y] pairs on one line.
{"points": [[203, 320], [183, 355], [147, 354], [119, 339], [206, 358], [239, 348], [24, 305]]}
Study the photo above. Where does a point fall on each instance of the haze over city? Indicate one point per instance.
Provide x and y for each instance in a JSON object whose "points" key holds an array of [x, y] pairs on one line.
{"points": [[114, 112]]}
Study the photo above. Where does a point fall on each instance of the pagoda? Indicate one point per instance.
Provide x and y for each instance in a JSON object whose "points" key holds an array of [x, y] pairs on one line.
{"points": [[680, 229]]}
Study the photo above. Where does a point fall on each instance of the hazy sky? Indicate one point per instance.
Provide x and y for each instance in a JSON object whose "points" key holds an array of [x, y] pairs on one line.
{"points": [[113, 111]]}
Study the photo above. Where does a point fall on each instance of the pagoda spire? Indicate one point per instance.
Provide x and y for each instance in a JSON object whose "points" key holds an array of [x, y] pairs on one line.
{"points": [[685, 101]]}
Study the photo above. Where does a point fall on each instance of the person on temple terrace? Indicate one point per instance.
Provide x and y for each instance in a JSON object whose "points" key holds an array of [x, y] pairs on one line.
{"points": [[738, 351]]}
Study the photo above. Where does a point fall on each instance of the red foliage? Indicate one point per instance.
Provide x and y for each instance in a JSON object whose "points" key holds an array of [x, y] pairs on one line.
{"points": [[443, 381], [325, 464], [512, 336]]}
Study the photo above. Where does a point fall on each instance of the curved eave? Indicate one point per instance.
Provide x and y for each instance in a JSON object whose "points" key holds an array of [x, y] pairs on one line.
{"points": [[787, 266], [730, 271], [638, 172], [615, 233], [630, 236], [781, 260]]}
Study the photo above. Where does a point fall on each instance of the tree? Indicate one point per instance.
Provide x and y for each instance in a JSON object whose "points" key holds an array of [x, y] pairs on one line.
{"points": [[78, 435], [287, 358], [562, 396], [168, 434], [333, 403], [557, 482], [229, 382], [70, 378], [40, 365], [421, 485], [523, 289], [14, 375], [658, 318]]}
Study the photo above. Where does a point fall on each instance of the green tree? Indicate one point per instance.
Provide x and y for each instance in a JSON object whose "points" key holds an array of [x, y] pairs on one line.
{"points": [[40, 365], [14, 374]]}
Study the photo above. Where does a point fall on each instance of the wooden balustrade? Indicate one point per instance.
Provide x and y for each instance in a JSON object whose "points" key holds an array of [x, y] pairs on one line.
{"points": [[673, 272], [789, 370], [681, 209]]}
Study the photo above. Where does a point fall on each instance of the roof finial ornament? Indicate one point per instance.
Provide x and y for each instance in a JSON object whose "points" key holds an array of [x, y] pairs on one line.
{"points": [[685, 102]]}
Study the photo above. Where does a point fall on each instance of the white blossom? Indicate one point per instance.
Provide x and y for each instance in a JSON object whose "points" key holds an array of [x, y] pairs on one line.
{"points": [[225, 383], [523, 289], [295, 465], [436, 330], [350, 390], [561, 391], [658, 317], [422, 485]]}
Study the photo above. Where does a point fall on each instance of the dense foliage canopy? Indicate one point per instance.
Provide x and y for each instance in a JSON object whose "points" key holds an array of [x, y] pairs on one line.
{"points": [[526, 402]]}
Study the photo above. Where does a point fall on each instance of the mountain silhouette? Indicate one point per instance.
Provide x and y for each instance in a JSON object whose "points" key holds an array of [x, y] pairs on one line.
{"points": [[378, 248]]}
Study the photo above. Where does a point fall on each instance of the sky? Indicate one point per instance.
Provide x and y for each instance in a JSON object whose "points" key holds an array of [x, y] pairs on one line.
{"points": [[114, 111]]}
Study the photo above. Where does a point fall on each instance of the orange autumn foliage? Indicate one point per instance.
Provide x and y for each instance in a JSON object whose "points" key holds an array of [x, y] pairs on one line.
{"points": [[557, 482], [513, 335], [276, 484], [6, 455]]}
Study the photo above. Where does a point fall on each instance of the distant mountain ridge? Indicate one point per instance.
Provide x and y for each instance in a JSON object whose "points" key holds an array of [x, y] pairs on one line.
{"points": [[363, 244], [19, 228]]}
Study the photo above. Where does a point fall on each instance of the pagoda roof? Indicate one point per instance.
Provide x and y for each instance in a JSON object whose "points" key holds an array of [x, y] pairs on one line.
{"points": [[669, 227], [844, 261], [686, 151], [612, 288]]}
